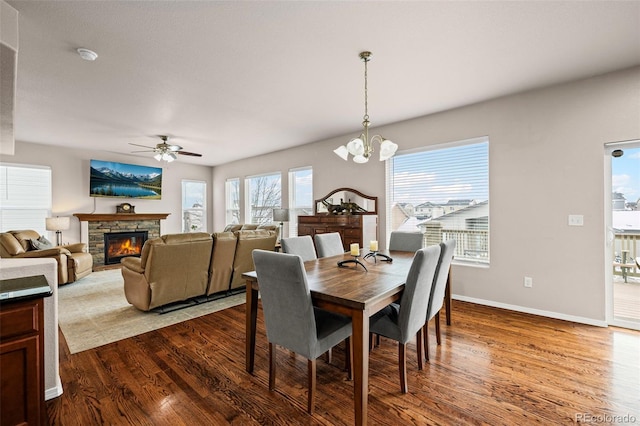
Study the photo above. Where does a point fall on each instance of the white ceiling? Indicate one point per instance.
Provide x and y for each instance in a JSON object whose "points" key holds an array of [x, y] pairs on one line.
{"points": [[235, 79]]}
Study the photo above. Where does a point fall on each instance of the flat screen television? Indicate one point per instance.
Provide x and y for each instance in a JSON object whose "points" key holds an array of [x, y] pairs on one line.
{"points": [[120, 180]]}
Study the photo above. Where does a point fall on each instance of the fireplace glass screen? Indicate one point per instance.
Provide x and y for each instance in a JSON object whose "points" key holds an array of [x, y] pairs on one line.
{"points": [[123, 244]]}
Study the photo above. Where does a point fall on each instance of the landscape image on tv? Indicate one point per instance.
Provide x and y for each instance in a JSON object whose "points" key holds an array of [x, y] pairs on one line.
{"points": [[109, 179]]}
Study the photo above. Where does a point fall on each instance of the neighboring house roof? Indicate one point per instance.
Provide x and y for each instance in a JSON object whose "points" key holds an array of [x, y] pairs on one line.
{"points": [[479, 205], [459, 203], [426, 205], [402, 208]]}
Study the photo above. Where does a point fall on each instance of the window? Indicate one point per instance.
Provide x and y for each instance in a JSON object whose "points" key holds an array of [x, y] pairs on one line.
{"points": [[300, 196], [194, 206], [25, 197], [232, 201], [443, 191], [263, 194]]}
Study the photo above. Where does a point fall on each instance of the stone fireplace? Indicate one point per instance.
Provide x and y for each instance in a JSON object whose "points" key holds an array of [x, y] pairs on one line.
{"points": [[95, 226]]}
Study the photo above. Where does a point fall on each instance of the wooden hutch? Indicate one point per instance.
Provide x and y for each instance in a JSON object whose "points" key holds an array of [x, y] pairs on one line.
{"points": [[346, 211]]}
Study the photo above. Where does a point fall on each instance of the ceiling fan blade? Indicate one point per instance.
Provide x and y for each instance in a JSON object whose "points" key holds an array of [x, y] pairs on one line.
{"points": [[144, 146], [146, 150], [192, 154]]}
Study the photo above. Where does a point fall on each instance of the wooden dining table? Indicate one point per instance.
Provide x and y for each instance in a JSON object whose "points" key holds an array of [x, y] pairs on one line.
{"points": [[351, 291]]}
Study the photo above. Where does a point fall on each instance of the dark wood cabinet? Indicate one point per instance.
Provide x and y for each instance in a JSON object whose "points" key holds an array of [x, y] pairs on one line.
{"points": [[352, 228], [22, 362]]}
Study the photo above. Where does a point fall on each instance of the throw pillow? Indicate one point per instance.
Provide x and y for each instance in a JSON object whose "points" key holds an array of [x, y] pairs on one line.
{"points": [[41, 243]]}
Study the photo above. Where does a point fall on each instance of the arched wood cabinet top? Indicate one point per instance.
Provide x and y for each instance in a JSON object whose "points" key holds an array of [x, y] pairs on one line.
{"points": [[346, 201]]}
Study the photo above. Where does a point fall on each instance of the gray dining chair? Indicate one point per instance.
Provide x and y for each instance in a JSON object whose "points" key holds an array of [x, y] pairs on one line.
{"points": [[406, 241], [329, 244], [402, 321], [436, 300], [302, 246], [290, 318]]}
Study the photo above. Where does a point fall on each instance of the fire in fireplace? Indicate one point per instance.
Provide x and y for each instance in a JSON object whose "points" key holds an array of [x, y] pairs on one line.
{"points": [[123, 244]]}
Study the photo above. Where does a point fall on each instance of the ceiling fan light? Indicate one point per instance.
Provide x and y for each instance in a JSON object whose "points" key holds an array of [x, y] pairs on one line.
{"points": [[168, 156], [342, 152], [158, 157], [387, 149], [360, 159], [356, 147]]}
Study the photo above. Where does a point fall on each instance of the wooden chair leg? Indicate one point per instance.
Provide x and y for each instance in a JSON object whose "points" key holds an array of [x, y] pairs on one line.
{"points": [[437, 318], [374, 341], [419, 347], [272, 366], [426, 340], [402, 366], [348, 358], [311, 367]]}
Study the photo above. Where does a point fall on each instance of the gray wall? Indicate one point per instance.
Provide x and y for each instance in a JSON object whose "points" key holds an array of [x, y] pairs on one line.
{"points": [[546, 161]]}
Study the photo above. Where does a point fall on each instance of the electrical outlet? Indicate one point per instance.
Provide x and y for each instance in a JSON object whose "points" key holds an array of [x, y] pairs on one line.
{"points": [[528, 282]]}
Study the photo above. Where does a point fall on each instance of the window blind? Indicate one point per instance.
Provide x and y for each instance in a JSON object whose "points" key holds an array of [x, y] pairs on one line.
{"points": [[300, 196], [232, 201], [263, 194], [25, 194], [443, 191]]}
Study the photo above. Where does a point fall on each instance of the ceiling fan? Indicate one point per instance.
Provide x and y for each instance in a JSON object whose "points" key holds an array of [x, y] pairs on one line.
{"points": [[165, 151]]}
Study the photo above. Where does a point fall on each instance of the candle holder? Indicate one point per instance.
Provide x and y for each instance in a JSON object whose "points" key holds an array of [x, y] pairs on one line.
{"points": [[375, 255], [344, 263]]}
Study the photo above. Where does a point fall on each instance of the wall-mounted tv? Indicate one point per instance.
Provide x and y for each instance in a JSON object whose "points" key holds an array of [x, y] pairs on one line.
{"points": [[109, 179]]}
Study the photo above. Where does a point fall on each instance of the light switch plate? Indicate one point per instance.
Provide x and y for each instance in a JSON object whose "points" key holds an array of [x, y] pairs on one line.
{"points": [[576, 220]]}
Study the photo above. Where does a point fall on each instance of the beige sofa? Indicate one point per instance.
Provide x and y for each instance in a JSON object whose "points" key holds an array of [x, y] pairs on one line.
{"points": [[73, 260], [193, 266]]}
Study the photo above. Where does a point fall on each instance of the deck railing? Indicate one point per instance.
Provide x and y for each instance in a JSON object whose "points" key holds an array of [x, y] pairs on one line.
{"points": [[472, 245], [626, 248]]}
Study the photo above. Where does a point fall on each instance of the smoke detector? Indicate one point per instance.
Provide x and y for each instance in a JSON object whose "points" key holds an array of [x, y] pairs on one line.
{"points": [[87, 55]]}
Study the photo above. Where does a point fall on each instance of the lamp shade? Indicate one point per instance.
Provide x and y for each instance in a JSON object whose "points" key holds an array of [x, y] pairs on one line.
{"points": [[342, 152], [58, 223], [387, 149], [280, 215]]}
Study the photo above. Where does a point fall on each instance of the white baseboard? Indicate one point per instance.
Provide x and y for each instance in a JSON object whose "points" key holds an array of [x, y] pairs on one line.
{"points": [[53, 392], [548, 314]]}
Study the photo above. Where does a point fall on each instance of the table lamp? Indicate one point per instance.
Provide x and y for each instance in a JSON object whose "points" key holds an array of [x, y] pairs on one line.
{"points": [[281, 215], [58, 224]]}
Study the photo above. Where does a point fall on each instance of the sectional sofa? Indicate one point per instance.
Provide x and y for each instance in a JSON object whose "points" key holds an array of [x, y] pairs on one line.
{"points": [[181, 267]]}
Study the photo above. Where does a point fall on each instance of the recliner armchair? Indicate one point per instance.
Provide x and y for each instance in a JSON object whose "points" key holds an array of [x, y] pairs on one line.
{"points": [[172, 268], [73, 260]]}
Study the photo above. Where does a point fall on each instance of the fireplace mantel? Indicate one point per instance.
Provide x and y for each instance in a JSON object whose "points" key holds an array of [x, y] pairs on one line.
{"points": [[99, 217]]}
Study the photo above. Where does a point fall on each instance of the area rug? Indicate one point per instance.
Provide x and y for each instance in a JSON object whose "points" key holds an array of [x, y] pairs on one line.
{"points": [[93, 311]]}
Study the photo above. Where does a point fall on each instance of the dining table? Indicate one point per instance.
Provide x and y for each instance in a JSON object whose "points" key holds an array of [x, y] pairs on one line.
{"points": [[350, 290]]}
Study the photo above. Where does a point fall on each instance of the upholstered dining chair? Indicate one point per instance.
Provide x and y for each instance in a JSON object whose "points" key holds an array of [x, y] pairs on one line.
{"points": [[290, 318], [406, 241], [302, 246], [436, 300], [402, 321], [329, 244]]}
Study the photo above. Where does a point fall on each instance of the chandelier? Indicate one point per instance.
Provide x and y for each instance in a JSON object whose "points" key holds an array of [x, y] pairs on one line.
{"points": [[361, 148]]}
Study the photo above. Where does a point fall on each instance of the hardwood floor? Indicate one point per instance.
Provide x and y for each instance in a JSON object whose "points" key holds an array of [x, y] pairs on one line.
{"points": [[494, 367]]}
